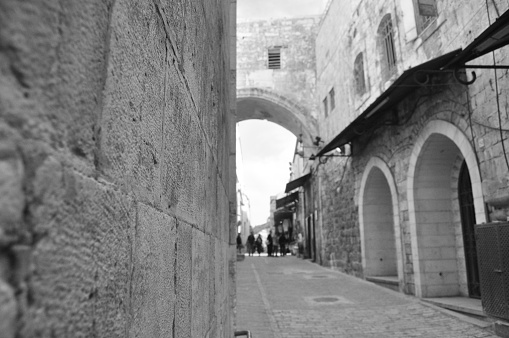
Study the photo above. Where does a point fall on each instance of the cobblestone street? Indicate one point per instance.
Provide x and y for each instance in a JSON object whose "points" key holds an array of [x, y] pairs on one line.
{"points": [[290, 297]]}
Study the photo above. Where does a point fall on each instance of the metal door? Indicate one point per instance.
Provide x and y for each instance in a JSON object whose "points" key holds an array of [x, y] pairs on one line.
{"points": [[467, 213]]}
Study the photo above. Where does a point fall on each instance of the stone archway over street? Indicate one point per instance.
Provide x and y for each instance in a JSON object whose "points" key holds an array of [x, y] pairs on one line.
{"points": [[264, 104]]}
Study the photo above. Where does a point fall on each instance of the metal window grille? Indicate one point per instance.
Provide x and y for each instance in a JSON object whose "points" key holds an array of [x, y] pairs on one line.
{"points": [[358, 69], [493, 256], [388, 42], [274, 58], [325, 107], [332, 99], [427, 12]]}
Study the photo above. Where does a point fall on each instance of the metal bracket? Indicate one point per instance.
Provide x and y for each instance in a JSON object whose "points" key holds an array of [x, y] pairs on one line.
{"points": [[463, 82], [474, 75]]}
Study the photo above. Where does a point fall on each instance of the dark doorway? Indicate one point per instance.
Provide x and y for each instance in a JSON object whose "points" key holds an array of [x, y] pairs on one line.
{"points": [[314, 237], [467, 213], [310, 238]]}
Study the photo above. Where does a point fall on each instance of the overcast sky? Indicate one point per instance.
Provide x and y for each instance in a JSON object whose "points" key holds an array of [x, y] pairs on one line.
{"points": [[266, 9], [266, 150]]}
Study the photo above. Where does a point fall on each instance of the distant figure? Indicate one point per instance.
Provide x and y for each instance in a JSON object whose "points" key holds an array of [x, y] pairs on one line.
{"points": [[282, 244], [300, 244], [270, 244], [250, 244], [239, 244], [259, 244]]}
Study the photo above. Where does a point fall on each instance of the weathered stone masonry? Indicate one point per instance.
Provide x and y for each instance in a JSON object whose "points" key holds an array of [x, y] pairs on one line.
{"points": [[115, 168], [462, 121]]}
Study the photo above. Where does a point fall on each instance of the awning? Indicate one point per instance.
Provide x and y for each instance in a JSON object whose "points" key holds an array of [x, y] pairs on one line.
{"points": [[284, 201], [282, 215], [299, 182], [407, 82], [494, 37]]}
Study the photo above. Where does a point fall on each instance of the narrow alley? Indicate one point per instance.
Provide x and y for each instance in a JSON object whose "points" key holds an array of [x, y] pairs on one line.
{"points": [[290, 297]]}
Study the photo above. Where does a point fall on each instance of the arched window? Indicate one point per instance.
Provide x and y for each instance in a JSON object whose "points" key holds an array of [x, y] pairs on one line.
{"points": [[386, 42], [358, 73]]}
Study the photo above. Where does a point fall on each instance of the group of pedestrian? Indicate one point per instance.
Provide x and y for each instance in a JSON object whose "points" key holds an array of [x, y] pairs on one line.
{"points": [[272, 248], [274, 245], [252, 244]]}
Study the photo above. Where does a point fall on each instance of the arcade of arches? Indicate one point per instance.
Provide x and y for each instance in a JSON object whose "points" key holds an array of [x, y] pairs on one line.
{"points": [[444, 199]]}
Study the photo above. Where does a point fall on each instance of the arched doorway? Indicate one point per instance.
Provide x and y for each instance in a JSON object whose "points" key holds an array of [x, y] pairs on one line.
{"points": [[435, 171], [380, 247], [379, 226]]}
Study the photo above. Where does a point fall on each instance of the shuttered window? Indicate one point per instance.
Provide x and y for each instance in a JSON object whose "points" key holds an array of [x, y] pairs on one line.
{"points": [[274, 57], [358, 70], [386, 44]]}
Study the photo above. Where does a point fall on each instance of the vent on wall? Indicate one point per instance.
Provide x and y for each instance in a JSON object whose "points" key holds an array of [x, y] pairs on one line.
{"points": [[275, 57]]}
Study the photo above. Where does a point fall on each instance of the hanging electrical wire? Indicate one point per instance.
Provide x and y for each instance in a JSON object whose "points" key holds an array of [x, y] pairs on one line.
{"points": [[497, 96]]}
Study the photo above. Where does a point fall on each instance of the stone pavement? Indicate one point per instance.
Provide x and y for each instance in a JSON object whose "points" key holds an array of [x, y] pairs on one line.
{"points": [[287, 297]]}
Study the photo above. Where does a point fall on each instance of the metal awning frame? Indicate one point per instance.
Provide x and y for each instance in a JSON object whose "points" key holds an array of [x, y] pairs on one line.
{"points": [[296, 183], [287, 200], [453, 62], [492, 38], [411, 79]]}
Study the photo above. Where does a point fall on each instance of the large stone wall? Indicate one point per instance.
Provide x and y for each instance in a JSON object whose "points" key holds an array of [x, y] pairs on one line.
{"points": [[116, 171], [340, 227]]}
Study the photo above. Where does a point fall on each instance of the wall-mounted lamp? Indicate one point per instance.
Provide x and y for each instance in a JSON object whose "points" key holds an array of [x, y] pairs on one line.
{"points": [[343, 151], [317, 141]]}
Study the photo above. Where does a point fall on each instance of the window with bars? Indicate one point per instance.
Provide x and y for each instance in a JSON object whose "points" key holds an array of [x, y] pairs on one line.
{"points": [[325, 107], [426, 12], [358, 73], [386, 37], [332, 99], [274, 57]]}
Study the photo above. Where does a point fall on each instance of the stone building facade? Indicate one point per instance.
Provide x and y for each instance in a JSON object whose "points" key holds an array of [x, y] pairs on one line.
{"points": [[428, 152], [117, 182], [282, 89], [276, 81]]}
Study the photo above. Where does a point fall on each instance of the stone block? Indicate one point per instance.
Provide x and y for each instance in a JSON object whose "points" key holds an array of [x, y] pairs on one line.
{"points": [[132, 122], [8, 311], [183, 286], [153, 282], [80, 282], [200, 279], [12, 196]]}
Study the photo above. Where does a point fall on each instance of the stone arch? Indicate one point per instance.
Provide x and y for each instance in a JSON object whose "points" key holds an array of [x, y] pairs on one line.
{"points": [[264, 104], [430, 190], [379, 222]]}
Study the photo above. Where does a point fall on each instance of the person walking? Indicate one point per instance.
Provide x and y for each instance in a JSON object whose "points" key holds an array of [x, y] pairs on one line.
{"points": [[259, 244], [250, 244], [269, 243], [239, 244], [282, 244]]}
